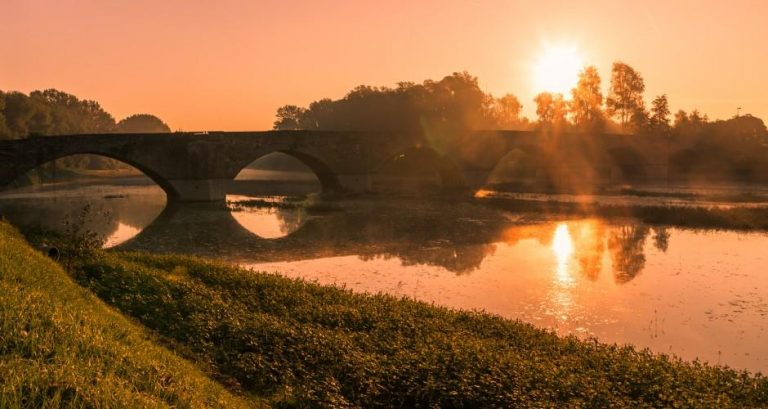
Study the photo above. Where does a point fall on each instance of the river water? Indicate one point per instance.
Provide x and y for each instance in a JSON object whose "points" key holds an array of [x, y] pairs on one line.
{"points": [[693, 293]]}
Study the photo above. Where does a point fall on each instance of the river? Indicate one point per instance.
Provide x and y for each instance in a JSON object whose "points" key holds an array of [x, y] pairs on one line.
{"points": [[698, 294]]}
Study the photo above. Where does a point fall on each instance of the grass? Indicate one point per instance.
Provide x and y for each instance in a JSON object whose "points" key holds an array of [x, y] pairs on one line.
{"points": [[735, 218], [307, 345], [60, 346]]}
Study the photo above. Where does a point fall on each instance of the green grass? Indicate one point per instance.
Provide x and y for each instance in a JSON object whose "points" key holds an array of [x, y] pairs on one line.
{"points": [[306, 345], [60, 346]]}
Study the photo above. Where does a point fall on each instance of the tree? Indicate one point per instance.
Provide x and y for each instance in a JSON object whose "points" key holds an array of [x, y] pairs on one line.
{"points": [[142, 123], [659, 120], [640, 120], [289, 117], [625, 96], [681, 118], [69, 115], [453, 103], [19, 111], [697, 119], [551, 110], [506, 112], [587, 101]]}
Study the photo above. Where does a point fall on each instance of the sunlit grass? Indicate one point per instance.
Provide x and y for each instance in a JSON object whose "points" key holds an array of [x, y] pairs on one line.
{"points": [[60, 346]]}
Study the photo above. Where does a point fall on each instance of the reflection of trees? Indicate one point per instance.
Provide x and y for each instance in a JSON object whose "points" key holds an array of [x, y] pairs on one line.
{"points": [[661, 238], [458, 259], [589, 247], [626, 246], [291, 218], [49, 214], [103, 217]]}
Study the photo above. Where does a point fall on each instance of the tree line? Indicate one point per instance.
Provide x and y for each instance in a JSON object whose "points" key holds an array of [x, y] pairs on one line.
{"points": [[52, 112], [454, 102], [736, 147]]}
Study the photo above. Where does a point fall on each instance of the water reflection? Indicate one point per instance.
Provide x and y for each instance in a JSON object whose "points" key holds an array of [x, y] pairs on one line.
{"points": [[267, 222], [562, 245], [590, 248], [703, 293], [115, 214], [419, 234], [626, 244]]}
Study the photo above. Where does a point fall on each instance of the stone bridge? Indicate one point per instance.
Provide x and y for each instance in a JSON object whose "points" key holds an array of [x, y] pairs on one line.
{"points": [[200, 166]]}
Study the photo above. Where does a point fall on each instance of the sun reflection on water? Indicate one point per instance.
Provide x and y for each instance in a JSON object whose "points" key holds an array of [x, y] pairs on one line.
{"points": [[560, 298], [562, 246]]}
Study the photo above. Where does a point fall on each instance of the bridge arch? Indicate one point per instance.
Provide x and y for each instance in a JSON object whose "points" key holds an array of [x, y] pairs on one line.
{"points": [[329, 181], [41, 160], [523, 165]]}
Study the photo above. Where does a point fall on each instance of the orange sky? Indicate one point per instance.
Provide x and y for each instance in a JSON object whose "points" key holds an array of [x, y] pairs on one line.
{"points": [[227, 65]]}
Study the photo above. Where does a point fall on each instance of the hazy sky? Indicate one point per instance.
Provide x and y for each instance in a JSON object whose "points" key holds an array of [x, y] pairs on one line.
{"points": [[227, 65]]}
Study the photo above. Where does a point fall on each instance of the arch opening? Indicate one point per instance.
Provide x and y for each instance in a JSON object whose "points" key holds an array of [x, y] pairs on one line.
{"points": [[519, 169], [268, 196], [85, 193], [284, 173]]}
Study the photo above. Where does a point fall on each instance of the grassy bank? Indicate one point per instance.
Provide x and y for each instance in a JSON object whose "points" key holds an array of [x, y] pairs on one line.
{"points": [[60, 346], [735, 218], [307, 345]]}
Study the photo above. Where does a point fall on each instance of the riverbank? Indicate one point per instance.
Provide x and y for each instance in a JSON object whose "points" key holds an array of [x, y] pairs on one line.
{"points": [[60, 346], [310, 345], [305, 345]]}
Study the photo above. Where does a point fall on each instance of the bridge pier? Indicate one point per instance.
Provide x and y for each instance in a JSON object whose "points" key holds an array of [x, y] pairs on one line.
{"points": [[198, 190]]}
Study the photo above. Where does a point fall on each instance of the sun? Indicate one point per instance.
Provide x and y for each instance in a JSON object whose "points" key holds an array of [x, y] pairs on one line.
{"points": [[557, 69]]}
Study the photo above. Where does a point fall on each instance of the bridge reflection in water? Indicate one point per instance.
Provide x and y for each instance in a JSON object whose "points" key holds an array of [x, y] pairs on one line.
{"points": [[454, 237]]}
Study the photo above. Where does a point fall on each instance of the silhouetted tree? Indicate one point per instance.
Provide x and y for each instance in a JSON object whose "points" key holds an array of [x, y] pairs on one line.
{"points": [[587, 101], [681, 118], [18, 111], [69, 115], [456, 102], [506, 112], [552, 110], [289, 117], [142, 123], [698, 119], [659, 120], [625, 96], [640, 121]]}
